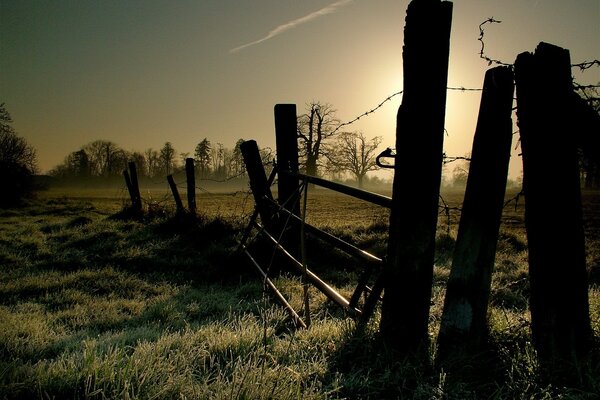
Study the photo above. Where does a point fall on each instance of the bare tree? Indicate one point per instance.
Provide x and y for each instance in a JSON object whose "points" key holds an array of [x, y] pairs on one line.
{"points": [[152, 162], [236, 164], [18, 161], [314, 129], [167, 158], [105, 157], [353, 152]]}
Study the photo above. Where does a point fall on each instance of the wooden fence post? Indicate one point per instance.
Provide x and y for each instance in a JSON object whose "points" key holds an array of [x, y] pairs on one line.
{"points": [[417, 177], [176, 196], [136, 198], [286, 139], [560, 320], [191, 185], [463, 330], [129, 186], [258, 181]]}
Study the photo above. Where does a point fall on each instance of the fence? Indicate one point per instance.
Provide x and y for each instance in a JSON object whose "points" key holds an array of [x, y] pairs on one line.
{"points": [[560, 324], [546, 106]]}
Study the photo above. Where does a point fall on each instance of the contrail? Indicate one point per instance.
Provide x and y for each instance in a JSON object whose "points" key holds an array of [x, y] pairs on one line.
{"points": [[330, 9]]}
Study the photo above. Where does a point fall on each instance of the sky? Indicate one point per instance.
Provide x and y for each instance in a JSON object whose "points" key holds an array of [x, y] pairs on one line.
{"points": [[140, 73]]}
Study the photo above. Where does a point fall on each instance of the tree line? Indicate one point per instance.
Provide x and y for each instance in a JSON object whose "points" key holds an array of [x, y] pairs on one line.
{"points": [[106, 159], [323, 151]]}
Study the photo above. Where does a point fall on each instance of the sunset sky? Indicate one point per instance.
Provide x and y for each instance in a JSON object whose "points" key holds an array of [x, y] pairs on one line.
{"points": [[140, 73]]}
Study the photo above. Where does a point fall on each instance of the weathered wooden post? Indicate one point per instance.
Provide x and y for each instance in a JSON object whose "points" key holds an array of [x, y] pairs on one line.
{"points": [[560, 320], [129, 186], [191, 185], [286, 137], [463, 330], [258, 181], [136, 198], [176, 196], [417, 177]]}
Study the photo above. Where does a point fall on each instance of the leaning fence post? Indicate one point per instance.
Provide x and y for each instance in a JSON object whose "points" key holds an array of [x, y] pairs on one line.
{"points": [[560, 320], [191, 185], [417, 177], [463, 330], [286, 138], [129, 186], [258, 181], [136, 198], [175, 192]]}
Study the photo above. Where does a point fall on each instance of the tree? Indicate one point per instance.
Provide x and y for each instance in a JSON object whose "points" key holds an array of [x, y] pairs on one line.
{"points": [[586, 123], [167, 158], [18, 162], [314, 129], [217, 155], [152, 162], [202, 157], [353, 152], [140, 163], [236, 163], [106, 158]]}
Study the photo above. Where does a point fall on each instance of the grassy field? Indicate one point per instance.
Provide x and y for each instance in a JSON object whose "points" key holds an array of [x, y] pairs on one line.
{"points": [[97, 306]]}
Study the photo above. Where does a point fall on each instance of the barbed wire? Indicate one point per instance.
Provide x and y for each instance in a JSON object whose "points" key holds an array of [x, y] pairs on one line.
{"points": [[366, 113], [465, 89], [482, 54], [448, 160], [586, 65]]}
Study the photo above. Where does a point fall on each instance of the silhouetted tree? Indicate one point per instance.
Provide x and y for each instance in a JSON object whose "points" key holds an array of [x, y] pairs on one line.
{"points": [[353, 152], [236, 164], [152, 162], [586, 121], [140, 163], [202, 157], [106, 158], [314, 129], [18, 162], [167, 158], [217, 155]]}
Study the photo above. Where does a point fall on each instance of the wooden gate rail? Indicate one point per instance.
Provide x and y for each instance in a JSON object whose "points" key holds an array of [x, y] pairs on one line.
{"points": [[365, 195], [348, 248], [297, 320], [327, 290], [371, 261]]}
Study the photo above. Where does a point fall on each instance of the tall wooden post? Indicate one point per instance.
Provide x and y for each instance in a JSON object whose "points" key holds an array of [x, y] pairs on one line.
{"points": [[417, 177], [286, 137], [559, 304], [463, 330], [258, 181], [175, 192], [136, 198], [191, 185]]}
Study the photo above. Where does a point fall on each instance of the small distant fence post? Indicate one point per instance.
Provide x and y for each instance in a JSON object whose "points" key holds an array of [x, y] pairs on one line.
{"points": [[176, 196], [137, 202], [131, 180], [286, 137], [258, 181], [560, 321], [191, 185], [417, 178], [463, 330]]}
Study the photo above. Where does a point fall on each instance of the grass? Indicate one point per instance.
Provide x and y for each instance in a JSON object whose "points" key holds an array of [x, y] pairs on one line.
{"points": [[93, 305]]}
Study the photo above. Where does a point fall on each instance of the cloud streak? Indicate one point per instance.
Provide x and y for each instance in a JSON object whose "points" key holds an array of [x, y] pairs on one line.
{"points": [[330, 9]]}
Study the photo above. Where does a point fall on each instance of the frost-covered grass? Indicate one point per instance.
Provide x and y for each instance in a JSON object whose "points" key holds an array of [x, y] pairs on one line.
{"points": [[93, 306]]}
